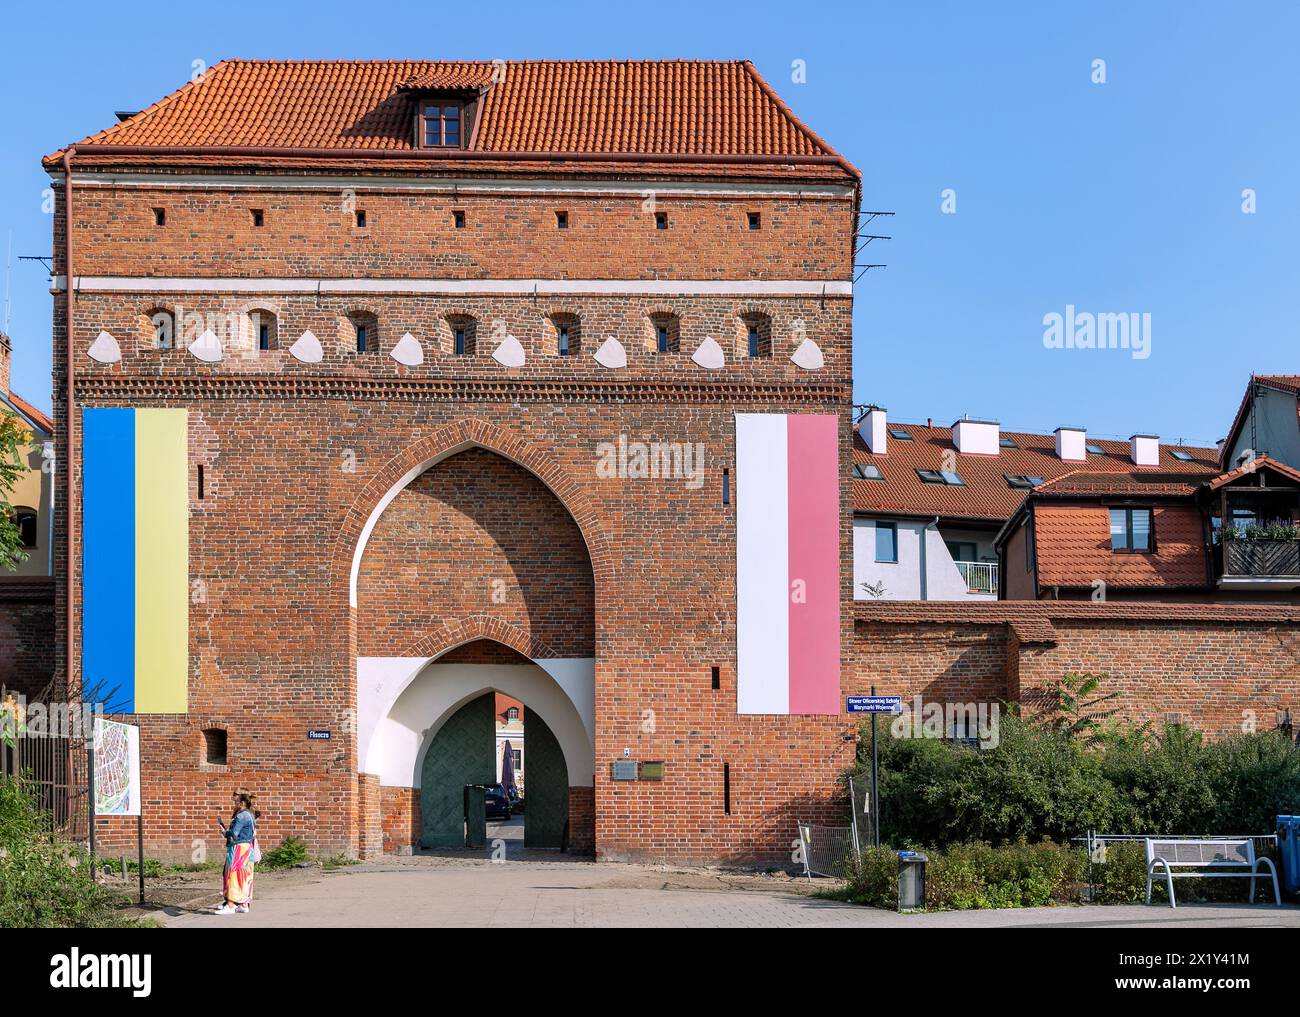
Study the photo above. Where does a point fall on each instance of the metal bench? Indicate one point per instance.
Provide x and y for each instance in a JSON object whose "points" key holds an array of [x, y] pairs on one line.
{"points": [[1206, 859]]}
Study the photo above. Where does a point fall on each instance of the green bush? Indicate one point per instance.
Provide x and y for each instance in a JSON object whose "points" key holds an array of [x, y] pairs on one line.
{"points": [[1039, 783], [872, 879], [45, 884], [292, 851], [19, 822], [970, 876], [1121, 878], [1258, 780], [1016, 875]]}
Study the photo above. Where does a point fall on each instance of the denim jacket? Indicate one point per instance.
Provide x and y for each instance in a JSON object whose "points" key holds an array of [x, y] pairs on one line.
{"points": [[240, 830]]}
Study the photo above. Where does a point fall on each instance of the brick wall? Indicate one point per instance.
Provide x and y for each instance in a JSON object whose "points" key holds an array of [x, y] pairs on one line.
{"points": [[26, 634], [506, 236], [429, 318], [582, 820], [401, 820], [480, 535], [1219, 668]]}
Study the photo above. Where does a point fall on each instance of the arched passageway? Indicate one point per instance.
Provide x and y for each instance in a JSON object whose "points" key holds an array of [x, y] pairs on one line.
{"points": [[474, 579]]}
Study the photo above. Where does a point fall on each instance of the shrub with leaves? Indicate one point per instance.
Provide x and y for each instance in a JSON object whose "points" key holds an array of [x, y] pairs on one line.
{"points": [[1042, 782], [291, 851], [44, 883], [974, 876]]}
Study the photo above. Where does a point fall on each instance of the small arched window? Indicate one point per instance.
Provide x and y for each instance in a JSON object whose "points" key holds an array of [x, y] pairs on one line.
{"points": [[462, 331], [755, 335], [665, 333], [25, 519], [512, 714], [264, 329], [567, 334], [158, 329], [362, 332]]}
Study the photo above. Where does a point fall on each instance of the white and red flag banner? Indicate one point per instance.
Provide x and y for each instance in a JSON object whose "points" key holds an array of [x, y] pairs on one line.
{"points": [[787, 563]]}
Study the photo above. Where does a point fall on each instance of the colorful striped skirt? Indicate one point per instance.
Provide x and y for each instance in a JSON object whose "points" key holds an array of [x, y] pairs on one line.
{"points": [[237, 879]]}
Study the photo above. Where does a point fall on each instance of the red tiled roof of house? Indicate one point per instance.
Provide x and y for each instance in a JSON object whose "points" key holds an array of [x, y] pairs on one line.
{"points": [[32, 413], [623, 107], [1072, 548], [1153, 483], [985, 494], [1253, 467]]}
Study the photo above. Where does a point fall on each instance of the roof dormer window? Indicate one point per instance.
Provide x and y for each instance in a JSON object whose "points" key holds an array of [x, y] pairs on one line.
{"points": [[440, 123]]}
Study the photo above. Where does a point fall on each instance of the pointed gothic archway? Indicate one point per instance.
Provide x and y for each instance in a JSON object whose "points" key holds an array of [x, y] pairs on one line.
{"points": [[472, 547]]}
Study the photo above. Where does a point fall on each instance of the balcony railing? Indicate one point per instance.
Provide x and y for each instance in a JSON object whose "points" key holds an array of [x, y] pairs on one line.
{"points": [[980, 576], [1261, 558]]}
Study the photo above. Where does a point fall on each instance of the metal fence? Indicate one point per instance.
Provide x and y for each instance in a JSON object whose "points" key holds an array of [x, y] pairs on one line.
{"points": [[831, 850], [827, 850], [52, 767]]}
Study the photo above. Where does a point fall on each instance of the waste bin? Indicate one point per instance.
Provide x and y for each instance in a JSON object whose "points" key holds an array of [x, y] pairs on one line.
{"points": [[1288, 848], [911, 880]]}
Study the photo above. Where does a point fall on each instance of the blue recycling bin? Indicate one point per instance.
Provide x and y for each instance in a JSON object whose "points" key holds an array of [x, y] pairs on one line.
{"points": [[1288, 847]]}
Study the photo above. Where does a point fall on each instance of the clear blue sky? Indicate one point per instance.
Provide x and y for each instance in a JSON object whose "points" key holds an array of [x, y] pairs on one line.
{"points": [[1115, 197]]}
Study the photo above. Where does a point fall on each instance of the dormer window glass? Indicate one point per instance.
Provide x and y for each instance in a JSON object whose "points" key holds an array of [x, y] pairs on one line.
{"points": [[440, 123]]}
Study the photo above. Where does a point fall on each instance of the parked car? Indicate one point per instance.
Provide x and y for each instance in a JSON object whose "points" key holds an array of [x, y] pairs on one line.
{"points": [[498, 802]]}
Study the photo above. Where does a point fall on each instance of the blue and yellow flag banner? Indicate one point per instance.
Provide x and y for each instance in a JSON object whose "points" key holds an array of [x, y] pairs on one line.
{"points": [[135, 559]]}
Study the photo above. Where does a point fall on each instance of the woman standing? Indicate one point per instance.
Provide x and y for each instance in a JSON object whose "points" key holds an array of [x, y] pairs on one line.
{"points": [[241, 850]]}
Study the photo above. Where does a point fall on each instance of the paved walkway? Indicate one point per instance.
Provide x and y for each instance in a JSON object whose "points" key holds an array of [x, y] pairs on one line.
{"points": [[460, 892]]}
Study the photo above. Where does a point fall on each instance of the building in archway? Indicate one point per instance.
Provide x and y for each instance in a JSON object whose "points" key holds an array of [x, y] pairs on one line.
{"points": [[510, 739], [397, 384]]}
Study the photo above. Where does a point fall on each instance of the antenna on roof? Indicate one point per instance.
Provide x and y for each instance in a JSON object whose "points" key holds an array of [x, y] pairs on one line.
{"points": [[9, 257]]}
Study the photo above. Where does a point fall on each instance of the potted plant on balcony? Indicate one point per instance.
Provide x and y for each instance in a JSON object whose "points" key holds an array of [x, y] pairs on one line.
{"points": [[1270, 548]]}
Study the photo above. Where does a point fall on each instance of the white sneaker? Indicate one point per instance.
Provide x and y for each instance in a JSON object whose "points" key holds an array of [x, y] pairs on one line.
{"points": [[225, 909], [241, 909]]}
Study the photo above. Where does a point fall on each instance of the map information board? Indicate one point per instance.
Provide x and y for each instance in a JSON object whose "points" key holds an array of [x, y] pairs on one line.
{"points": [[117, 768]]}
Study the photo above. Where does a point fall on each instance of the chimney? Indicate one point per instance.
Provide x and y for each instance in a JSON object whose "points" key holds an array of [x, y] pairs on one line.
{"points": [[872, 429], [1072, 444], [6, 356], [1144, 449], [976, 437]]}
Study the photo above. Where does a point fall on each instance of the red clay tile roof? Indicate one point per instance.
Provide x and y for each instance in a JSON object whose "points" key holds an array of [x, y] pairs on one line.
{"points": [[32, 413], [986, 495], [1072, 548], [677, 107], [1152, 483], [1245, 469]]}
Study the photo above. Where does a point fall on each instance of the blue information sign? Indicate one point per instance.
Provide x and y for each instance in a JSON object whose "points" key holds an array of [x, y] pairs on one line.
{"points": [[874, 704]]}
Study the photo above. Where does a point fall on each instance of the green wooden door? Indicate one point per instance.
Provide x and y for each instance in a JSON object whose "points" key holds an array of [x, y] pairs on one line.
{"points": [[546, 786], [462, 752]]}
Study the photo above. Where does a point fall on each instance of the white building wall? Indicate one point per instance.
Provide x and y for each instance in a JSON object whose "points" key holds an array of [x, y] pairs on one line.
{"points": [[902, 579]]}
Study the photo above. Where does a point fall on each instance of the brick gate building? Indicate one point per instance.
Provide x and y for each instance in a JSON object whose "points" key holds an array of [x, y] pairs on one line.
{"points": [[396, 384]]}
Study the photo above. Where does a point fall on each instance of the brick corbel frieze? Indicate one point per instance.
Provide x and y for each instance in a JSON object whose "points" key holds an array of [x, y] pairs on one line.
{"points": [[281, 386]]}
